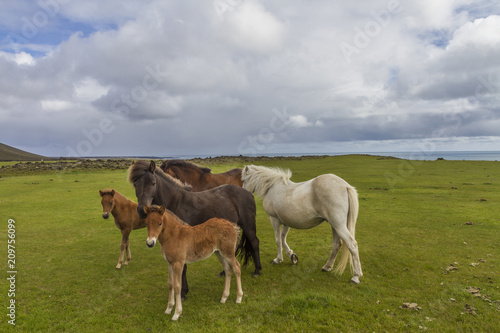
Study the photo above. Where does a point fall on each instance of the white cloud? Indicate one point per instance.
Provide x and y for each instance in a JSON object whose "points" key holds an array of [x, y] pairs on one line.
{"points": [[89, 89], [251, 27], [299, 121]]}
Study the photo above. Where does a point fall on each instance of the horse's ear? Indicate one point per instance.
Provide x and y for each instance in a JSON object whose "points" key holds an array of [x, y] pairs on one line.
{"points": [[152, 166], [146, 209], [101, 193], [161, 210], [113, 192]]}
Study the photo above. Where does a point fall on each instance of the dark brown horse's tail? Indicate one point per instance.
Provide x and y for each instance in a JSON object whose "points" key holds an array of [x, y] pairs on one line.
{"points": [[244, 250]]}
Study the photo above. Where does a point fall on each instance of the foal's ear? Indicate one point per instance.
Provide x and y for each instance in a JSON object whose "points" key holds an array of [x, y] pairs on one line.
{"points": [[146, 209], [161, 210], [101, 193], [113, 192], [152, 166]]}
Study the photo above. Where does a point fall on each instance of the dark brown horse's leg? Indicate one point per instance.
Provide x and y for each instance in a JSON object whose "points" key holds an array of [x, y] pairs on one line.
{"points": [[251, 238], [185, 288], [256, 256]]}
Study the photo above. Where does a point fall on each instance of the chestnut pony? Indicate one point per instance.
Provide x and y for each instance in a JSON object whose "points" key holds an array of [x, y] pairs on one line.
{"points": [[199, 178], [126, 218], [182, 244], [229, 202]]}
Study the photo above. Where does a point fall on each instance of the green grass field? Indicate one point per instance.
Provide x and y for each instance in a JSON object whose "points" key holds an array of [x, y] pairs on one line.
{"points": [[427, 233]]}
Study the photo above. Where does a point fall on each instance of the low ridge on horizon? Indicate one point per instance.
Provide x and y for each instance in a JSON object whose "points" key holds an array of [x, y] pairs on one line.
{"points": [[9, 153]]}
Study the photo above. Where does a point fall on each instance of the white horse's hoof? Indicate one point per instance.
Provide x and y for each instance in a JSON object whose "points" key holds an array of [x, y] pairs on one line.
{"points": [[175, 317], [223, 300], [355, 280], [326, 268], [276, 261], [294, 258]]}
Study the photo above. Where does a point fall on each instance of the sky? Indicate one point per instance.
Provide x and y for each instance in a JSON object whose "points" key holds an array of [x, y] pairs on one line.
{"points": [[231, 77]]}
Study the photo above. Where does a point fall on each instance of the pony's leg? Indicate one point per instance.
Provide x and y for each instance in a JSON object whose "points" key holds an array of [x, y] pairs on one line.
{"points": [[352, 245], [288, 250], [335, 250], [276, 223], [171, 296], [228, 272], [177, 270]]}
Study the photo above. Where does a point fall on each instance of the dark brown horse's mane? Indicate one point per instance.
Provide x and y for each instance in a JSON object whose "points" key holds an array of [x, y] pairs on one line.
{"points": [[183, 164], [140, 167]]}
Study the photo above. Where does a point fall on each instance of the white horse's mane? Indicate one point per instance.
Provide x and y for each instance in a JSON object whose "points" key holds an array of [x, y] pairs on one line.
{"points": [[259, 179]]}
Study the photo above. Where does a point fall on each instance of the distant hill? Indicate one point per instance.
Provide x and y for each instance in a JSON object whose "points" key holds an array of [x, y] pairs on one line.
{"points": [[8, 153]]}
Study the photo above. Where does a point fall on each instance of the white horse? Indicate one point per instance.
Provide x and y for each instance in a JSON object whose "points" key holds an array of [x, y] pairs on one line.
{"points": [[306, 205]]}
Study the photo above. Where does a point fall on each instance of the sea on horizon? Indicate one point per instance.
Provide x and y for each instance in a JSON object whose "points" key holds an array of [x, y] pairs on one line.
{"points": [[415, 155]]}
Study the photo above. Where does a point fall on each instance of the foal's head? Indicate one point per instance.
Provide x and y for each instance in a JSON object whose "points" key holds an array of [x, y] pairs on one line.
{"points": [[107, 202], [154, 222]]}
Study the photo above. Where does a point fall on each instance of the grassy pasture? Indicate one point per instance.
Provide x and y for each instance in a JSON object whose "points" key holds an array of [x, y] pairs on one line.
{"points": [[421, 226]]}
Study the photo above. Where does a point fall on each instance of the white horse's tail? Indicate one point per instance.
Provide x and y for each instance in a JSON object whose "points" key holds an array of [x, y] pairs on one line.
{"points": [[352, 216]]}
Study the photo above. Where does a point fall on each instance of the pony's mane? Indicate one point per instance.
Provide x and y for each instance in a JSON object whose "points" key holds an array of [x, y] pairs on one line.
{"points": [[156, 208], [183, 164], [140, 167], [259, 179]]}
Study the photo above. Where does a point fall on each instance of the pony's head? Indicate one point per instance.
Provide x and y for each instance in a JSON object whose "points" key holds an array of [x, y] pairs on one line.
{"points": [[142, 176], [154, 222], [107, 201]]}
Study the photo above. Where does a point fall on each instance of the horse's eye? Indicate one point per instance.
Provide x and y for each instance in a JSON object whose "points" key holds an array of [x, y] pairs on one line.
{"points": [[160, 224]]}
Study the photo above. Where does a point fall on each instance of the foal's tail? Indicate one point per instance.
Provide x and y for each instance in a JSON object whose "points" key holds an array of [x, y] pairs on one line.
{"points": [[352, 216]]}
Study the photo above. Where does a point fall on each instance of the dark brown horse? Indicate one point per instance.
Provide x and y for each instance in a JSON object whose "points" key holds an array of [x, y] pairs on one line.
{"points": [[199, 178], [229, 202], [126, 218]]}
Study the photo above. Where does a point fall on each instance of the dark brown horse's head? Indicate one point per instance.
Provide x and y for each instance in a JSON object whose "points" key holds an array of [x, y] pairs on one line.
{"points": [[107, 202], [154, 223], [142, 176], [186, 172]]}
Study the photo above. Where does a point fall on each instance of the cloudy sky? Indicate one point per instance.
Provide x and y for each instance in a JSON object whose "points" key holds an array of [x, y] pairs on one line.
{"points": [[210, 77]]}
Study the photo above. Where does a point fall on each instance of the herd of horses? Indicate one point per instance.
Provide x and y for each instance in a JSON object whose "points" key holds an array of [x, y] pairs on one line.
{"points": [[194, 213]]}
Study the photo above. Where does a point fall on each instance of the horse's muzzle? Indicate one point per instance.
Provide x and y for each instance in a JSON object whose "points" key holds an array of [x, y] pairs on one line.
{"points": [[151, 242], [105, 215]]}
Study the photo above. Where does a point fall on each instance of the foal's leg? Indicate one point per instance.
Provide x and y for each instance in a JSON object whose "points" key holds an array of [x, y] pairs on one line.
{"points": [[235, 266], [288, 250], [171, 296], [123, 247], [228, 272], [127, 247], [177, 270], [335, 250], [276, 223]]}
